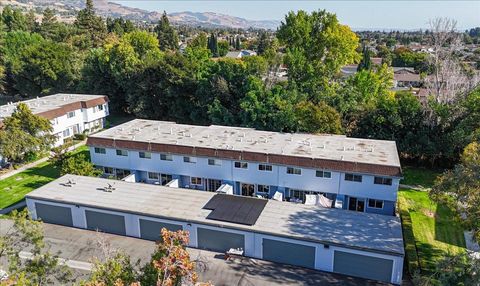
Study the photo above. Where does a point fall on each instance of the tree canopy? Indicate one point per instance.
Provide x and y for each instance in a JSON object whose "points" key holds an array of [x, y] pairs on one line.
{"points": [[24, 133], [463, 184], [317, 46], [166, 34]]}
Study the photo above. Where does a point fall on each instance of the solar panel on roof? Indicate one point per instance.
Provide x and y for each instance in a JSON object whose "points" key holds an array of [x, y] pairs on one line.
{"points": [[235, 209]]}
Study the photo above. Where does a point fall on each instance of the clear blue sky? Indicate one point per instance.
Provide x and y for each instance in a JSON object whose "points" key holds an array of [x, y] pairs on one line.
{"points": [[357, 14]]}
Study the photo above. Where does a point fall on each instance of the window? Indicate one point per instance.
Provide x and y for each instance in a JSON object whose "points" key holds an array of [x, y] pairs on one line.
{"points": [[241, 165], [165, 178], [382, 181], [122, 152], [353, 177], [108, 170], [166, 157], [213, 185], [100, 150], [195, 181], [297, 195], [153, 176], [356, 204], [263, 189], [121, 173], [264, 167], [214, 162], [71, 114], [145, 155], [66, 132], [294, 171], [324, 174], [100, 107], [192, 160], [375, 204]]}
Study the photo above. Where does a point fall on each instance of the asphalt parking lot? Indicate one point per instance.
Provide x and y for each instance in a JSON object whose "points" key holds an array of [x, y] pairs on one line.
{"points": [[78, 247]]}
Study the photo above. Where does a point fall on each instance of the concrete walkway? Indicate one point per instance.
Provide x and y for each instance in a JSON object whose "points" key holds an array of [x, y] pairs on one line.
{"points": [[23, 168], [33, 164]]}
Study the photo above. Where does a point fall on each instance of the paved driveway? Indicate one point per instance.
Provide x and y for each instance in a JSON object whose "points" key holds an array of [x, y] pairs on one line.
{"points": [[78, 246]]}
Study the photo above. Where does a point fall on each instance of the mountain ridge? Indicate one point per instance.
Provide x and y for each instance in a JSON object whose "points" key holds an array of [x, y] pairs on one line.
{"points": [[67, 10]]}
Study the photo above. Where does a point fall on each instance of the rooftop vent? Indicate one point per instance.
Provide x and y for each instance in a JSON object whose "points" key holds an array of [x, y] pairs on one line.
{"points": [[69, 183], [109, 188]]}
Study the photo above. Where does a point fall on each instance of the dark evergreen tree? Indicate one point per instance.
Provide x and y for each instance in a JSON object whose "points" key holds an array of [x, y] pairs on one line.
{"points": [[366, 62], [213, 45], [49, 24], [166, 34], [14, 20], [263, 43], [119, 26], [237, 43], [91, 25]]}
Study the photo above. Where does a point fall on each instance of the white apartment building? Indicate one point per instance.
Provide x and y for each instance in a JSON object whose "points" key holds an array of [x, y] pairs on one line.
{"points": [[69, 114], [355, 174]]}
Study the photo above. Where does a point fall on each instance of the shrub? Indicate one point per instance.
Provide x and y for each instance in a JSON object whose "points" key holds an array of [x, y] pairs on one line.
{"points": [[80, 136]]}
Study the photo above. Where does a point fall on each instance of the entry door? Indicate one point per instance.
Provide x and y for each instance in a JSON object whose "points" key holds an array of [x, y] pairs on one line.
{"points": [[355, 204], [213, 185], [248, 190]]}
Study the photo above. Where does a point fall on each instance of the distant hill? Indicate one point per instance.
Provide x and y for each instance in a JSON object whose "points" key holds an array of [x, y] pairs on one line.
{"points": [[67, 9], [221, 20]]}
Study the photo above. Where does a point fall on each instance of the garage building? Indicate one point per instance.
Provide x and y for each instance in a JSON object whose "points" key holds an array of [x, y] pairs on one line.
{"points": [[358, 244]]}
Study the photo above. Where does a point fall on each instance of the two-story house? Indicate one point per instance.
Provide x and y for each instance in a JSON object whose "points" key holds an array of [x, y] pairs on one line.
{"points": [[355, 174]]}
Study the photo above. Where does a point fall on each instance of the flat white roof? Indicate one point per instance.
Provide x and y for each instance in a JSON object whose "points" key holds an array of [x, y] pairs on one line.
{"points": [[357, 230], [324, 146], [47, 103]]}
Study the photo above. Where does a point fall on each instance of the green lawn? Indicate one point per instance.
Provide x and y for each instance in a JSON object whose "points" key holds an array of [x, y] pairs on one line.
{"points": [[419, 176], [430, 230], [14, 189]]}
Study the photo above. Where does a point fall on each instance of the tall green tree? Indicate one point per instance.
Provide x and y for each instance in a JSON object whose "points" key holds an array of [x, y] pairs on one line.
{"points": [[366, 62], [222, 48], [238, 45], [119, 26], [269, 109], [263, 43], [49, 26], [24, 133], [460, 188], [317, 46], [319, 118], [14, 19], [46, 68], [166, 34], [111, 69], [90, 25], [213, 45], [2, 57]]}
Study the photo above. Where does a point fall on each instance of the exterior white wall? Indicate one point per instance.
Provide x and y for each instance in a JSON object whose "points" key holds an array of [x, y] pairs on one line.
{"points": [[83, 119], [226, 171], [91, 114], [324, 257], [367, 189]]}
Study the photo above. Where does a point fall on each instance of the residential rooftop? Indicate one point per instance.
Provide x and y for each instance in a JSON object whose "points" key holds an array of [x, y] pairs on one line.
{"points": [[324, 146], [43, 105], [363, 231]]}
